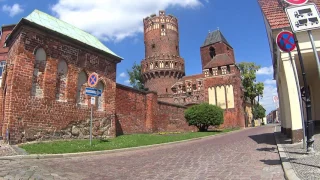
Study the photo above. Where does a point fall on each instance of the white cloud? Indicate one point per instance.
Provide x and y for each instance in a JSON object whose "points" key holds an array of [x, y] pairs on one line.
{"points": [[12, 10], [265, 71], [127, 82], [269, 82], [123, 75], [267, 100], [113, 19]]}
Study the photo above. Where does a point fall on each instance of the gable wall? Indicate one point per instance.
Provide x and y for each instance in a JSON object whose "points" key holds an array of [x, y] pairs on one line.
{"points": [[31, 117]]}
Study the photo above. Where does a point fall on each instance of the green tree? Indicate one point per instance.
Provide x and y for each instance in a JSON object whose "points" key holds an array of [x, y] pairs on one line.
{"points": [[259, 112], [204, 115], [252, 88], [135, 77]]}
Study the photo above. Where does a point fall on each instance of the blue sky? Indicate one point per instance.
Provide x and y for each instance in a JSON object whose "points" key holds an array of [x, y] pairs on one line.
{"points": [[118, 24]]}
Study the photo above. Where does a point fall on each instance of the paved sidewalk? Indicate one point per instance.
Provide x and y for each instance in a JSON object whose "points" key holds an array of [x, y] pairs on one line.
{"points": [[6, 150], [249, 154], [304, 166]]}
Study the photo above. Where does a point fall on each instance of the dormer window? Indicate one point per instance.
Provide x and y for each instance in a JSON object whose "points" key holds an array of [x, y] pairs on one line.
{"points": [[224, 70], [215, 71], [212, 52], [206, 72], [174, 90]]}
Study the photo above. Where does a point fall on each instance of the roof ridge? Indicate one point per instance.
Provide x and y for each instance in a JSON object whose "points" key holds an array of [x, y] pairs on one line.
{"points": [[215, 37], [62, 27]]}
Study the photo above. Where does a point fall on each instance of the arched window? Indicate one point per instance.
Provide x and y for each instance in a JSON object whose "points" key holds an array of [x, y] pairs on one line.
{"points": [[38, 73], [100, 99], [61, 80], [212, 52], [82, 81]]}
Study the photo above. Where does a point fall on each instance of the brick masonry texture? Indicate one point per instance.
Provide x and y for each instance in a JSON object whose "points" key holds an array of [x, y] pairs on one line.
{"points": [[141, 112], [43, 99], [233, 117], [162, 66], [163, 70], [220, 48], [251, 154], [274, 11], [30, 117], [3, 56]]}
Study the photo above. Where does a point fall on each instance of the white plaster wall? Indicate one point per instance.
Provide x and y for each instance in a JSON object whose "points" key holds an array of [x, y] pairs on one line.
{"points": [[230, 96], [221, 97], [212, 95]]}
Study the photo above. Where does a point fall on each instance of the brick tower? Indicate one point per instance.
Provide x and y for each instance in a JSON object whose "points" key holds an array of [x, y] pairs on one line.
{"points": [[162, 66]]}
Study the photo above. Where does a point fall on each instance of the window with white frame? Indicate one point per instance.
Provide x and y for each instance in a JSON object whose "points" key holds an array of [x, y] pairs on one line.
{"points": [[2, 66], [224, 70]]}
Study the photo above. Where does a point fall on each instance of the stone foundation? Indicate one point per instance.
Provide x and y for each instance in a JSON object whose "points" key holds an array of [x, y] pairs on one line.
{"points": [[289, 132], [101, 128], [297, 136], [283, 130]]}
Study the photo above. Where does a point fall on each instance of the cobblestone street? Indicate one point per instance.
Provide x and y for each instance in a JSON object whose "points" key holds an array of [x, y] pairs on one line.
{"points": [[306, 166], [247, 154]]}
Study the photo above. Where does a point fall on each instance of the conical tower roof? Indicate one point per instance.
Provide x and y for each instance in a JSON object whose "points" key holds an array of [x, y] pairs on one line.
{"points": [[214, 37]]}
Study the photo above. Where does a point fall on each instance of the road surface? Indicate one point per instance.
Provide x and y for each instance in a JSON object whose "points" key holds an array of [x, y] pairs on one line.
{"points": [[246, 154]]}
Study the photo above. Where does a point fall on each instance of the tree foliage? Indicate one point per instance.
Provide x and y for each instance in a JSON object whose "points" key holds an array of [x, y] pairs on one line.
{"points": [[252, 89], [204, 115], [135, 77], [259, 112]]}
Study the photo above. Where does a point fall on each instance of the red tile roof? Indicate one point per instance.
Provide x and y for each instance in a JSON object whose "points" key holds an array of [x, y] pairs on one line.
{"points": [[193, 77], [274, 11], [219, 60]]}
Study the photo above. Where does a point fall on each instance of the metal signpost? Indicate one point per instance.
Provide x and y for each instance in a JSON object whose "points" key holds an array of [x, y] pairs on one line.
{"points": [[286, 43], [93, 92], [305, 17], [296, 2]]}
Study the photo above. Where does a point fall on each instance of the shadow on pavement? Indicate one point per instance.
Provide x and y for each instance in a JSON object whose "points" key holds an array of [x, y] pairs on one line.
{"points": [[306, 164], [267, 138], [271, 162], [273, 149], [284, 139]]}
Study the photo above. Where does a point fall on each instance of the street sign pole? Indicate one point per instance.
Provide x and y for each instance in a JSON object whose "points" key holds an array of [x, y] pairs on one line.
{"points": [[314, 50], [305, 18], [92, 82], [91, 126], [309, 127], [287, 42], [300, 98]]}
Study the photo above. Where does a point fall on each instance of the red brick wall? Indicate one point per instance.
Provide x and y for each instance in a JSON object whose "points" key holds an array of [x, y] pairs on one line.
{"points": [[162, 48], [233, 117], [6, 30], [141, 112], [130, 110], [30, 117], [170, 118], [168, 44], [220, 48]]}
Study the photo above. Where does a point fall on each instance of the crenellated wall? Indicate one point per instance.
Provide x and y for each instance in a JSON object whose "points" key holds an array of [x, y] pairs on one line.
{"points": [[162, 66]]}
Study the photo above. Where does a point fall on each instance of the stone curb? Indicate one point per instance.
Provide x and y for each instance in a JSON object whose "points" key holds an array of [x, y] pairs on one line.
{"points": [[289, 172], [67, 155]]}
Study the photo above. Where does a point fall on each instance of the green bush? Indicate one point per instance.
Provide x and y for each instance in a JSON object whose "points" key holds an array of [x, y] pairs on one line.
{"points": [[204, 115]]}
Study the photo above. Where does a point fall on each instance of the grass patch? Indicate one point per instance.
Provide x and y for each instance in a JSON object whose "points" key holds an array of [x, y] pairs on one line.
{"points": [[124, 141]]}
